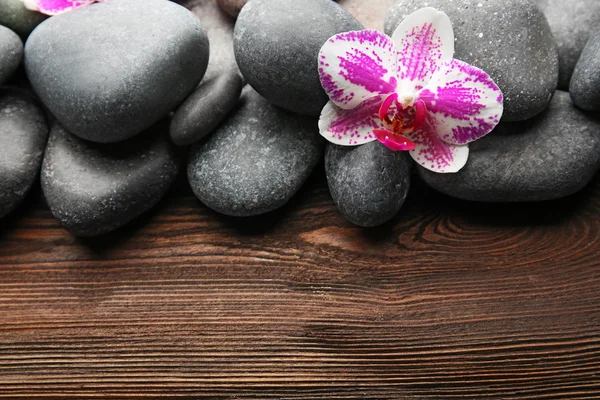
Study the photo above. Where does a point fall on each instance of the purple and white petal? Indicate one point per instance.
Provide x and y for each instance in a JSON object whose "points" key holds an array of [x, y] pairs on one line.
{"points": [[433, 153], [358, 65], [351, 127], [424, 40], [53, 7], [464, 100]]}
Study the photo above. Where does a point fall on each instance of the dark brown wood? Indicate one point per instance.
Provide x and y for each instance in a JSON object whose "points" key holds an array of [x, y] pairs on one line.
{"points": [[451, 300]]}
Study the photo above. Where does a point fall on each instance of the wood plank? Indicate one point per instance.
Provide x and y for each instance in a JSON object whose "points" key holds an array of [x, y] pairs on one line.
{"points": [[452, 299]]}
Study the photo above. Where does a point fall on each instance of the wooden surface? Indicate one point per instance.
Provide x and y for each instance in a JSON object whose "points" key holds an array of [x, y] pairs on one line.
{"points": [[451, 300]]}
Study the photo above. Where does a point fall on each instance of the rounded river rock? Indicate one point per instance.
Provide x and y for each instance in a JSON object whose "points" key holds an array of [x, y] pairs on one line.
{"points": [[549, 157], [256, 160], [276, 45], [508, 39], [571, 22], [204, 109], [110, 70], [585, 82], [368, 183], [94, 188], [15, 16], [11, 53], [23, 136]]}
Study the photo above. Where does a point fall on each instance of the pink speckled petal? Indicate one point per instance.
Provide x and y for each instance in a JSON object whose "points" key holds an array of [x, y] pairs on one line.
{"points": [[351, 127], [435, 154], [386, 105], [393, 141], [53, 7], [424, 40], [355, 66], [465, 102]]}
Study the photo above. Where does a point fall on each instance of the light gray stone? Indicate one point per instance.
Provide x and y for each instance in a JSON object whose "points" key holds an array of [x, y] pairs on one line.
{"points": [[276, 45], [23, 136], [585, 82], [232, 7], [256, 160], [549, 157], [11, 53], [110, 70], [571, 22], [508, 39], [94, 188], [368, 183]]}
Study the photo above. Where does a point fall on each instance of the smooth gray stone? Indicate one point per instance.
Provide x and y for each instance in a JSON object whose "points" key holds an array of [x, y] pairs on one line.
{"points": [[256, 160], [508, 39], [276, 45], [110, 70], [549, 157], [11, 53], [23, 136], [585, 82], [232, 7], [15, 16], [204, 109], [93, 188], [571, 22], [368, 183]]}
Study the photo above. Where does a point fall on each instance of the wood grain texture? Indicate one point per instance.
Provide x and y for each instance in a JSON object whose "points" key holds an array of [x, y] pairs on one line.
{"points": [[451, 300]]}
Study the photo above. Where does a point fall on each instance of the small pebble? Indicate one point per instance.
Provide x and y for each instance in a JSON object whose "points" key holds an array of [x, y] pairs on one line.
{"points": [[204, 109], [368, 183]]}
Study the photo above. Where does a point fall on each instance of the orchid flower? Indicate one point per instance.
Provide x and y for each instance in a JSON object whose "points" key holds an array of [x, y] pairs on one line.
{"points": [[53, 7], [407, 91]]}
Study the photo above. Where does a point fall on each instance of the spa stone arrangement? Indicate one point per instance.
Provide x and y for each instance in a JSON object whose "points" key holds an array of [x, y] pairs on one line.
{"points": [[105, 103]]}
